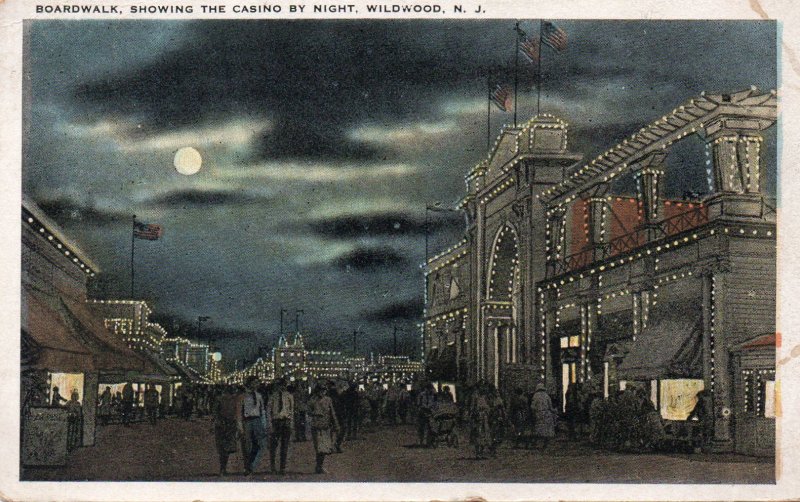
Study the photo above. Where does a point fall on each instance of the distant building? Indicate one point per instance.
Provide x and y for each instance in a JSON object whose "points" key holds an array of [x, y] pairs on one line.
{"points": [[192, 354], [130, 320], [397, 369], [289, 356], [322, 364], [263, 369]]}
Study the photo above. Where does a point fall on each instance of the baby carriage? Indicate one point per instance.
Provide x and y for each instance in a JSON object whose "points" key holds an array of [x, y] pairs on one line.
{"points": [[443, 422]]}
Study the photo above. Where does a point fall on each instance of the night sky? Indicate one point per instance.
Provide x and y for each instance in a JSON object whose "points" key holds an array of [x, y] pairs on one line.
{"points": [[322, 142]]}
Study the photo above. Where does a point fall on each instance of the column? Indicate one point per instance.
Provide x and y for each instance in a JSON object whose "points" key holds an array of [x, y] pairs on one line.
{"points": [[589, 338], [479, 287], [735, 151], [546, 360], [728, 174], [598, 237], [649, 186], [556, 238], [716, 373], [91, 382]]}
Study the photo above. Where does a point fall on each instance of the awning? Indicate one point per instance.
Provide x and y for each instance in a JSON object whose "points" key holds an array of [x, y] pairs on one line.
{"points": [[110, 352], [64, 335], [159, 371], [670, 347], [50, 343]]}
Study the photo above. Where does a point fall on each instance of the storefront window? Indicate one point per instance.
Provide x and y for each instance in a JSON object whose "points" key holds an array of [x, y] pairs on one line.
{"points": [[66, 383], [678, 397]]}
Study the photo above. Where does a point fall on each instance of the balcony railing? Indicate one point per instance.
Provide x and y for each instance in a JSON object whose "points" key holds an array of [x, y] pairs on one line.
{"points": [[682, 222], [685, 221]]}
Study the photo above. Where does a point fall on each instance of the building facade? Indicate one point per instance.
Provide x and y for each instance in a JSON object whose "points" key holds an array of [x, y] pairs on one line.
{"points": [[64, 344], [573, 279]]}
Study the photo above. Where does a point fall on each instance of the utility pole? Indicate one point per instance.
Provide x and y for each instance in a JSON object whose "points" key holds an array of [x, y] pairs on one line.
{"points": [[356, 332], [297, 320], [283, 311]]}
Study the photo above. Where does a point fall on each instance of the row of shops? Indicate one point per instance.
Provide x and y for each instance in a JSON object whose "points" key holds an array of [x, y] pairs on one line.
{"points": [[564, 277], [74, 348]]}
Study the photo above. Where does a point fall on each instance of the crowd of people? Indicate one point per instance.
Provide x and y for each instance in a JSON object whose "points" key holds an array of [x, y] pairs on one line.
{"points": [[256, 418], [147, 402]]}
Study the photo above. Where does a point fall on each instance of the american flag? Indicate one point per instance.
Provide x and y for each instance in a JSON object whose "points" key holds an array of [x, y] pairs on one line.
{"points": [[147, 231], [501, 96], [554, 36], [529, 48]]}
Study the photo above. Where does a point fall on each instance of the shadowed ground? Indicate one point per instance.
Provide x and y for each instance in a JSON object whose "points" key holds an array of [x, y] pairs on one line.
{"points": [[176, 450]]}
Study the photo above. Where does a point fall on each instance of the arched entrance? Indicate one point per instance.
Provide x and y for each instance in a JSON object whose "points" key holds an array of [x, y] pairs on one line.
{"points": [[502, 304]]}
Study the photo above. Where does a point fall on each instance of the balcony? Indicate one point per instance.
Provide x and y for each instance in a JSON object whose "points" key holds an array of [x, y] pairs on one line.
{"points": [[687, 220]]}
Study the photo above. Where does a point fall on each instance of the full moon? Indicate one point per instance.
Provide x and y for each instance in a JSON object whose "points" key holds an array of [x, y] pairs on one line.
{"points": [[188, 161]]}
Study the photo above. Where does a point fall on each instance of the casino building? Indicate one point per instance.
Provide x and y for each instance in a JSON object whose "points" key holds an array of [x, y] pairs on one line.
{"points": [[583, 271]]}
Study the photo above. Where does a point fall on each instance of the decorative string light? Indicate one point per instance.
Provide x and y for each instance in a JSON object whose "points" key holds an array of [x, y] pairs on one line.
{"points": [[654, 248], [60, 245]]}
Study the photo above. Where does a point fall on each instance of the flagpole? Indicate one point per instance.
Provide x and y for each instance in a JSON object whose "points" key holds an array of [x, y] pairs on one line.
{"points": [[489, 111], [516, 72], [539, 70], [133, 247]]}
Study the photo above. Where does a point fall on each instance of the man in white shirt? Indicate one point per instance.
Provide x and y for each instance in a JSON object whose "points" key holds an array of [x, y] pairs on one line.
{"points": [[254, 422], [281, 412]]}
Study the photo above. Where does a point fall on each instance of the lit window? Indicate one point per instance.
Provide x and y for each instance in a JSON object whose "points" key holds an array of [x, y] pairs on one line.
{"points": [[769, 399], [678, 397]]}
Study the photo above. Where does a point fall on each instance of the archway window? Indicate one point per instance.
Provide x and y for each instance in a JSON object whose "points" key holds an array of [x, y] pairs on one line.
{"points": [[504, 266]]}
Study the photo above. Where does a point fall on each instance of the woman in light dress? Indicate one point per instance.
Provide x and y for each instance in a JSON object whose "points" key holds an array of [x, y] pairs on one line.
{"points": [[324, 425]]}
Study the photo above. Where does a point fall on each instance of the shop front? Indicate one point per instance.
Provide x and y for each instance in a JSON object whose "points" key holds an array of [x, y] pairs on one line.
{"points": [[756, 395]]}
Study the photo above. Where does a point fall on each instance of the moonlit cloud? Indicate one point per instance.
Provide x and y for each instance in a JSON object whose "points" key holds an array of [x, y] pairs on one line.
{"points": [[364, 206], [128, 136], [411, 134], [316, 173]]}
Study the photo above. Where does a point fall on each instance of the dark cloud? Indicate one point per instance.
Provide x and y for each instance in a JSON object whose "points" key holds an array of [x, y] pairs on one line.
{"points": [[66, 211], [410, 310], [371, 259], [184, 198], [390, 224], [314, 80]]}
